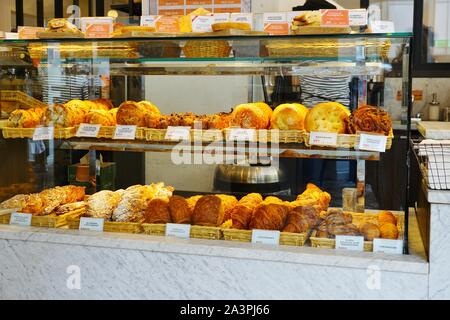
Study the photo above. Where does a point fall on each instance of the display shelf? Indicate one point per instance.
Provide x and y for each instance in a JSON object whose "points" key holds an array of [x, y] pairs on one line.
{"points": [[285, 150]]}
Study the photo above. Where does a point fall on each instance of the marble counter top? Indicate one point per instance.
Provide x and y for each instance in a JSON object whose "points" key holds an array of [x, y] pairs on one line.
{"points": [[413, 263]]}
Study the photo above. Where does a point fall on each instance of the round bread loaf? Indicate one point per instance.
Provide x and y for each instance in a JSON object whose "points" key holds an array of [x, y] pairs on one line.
{"points": [[289, 116], [327, 117]]}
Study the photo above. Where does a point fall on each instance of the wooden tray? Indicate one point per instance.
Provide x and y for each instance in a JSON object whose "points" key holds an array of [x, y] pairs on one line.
{"points": [[48, 221], [15, 133], [59, 35], [349, 141], [286, 238], [358, 219]]}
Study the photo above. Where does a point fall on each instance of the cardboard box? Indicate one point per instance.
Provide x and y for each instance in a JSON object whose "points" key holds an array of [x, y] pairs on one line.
{"points": [[78, 174], [97, 27]]}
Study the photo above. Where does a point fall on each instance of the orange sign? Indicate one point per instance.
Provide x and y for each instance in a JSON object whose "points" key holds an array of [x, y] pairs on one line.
{"points": [[227, 2], [281, 28], [334, 18], [198, 2], [227, 10], [98, 30], [168, 3], [171, 12], [168, 24]]}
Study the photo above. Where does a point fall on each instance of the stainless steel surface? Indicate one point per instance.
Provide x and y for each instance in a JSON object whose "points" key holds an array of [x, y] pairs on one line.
{"points": [[248, 174]]}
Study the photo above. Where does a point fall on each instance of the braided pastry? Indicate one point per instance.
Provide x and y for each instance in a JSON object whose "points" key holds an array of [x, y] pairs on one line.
{"points": [[369, 119]]}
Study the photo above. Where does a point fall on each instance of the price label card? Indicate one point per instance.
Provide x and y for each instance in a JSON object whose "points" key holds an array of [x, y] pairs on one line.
{"points": [[358, 17], [88, 130], [334, 18], [202, 23], [372, 142], [178, 230], [351, 243], [380, 26], [240, 134], [266, 236], [328, 139], [178, 133], [388, 246], [91, 224], [148, 21], [20, 219], [44, 133], [123, 132]]}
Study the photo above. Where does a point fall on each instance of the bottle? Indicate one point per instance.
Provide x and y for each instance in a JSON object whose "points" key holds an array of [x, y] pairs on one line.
{"points": [[434, 109]]}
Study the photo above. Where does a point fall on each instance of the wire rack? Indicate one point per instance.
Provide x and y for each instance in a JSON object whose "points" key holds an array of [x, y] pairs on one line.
{"points": [[433, 157]]}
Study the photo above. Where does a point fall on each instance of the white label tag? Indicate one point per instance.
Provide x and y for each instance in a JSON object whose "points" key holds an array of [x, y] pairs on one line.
{"points": [[372, 142], [125, 132], [178, 133], [202, 23], [351, 243], [148, 21], [221, 17], [380, 26], [328, 139], [357, 17], [20, 219], [266, 236], [388, 246], [44, 133], [242, 17], [92, 224], [88, 130], [178, 230], [240, 134]]}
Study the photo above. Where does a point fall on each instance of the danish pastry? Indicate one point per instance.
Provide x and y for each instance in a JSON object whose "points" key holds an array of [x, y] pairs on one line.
{"points": [[370, 119], [327, 117]]}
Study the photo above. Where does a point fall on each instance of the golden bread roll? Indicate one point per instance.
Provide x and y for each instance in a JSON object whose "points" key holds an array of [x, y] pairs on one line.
{"points": [[61, 25], [21, 118], [251, 116], [327, 117], [370, 231], [389, 231], [220, 26], [157, 211], [79, 105], [386, 217], [132, 113], [34, 205], [102, 117], [64, 116], [180, 211], [289, 116], [150, 106], [208, 211]]}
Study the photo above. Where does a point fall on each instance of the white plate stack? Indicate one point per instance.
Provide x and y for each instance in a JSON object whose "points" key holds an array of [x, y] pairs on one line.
{"points": [[320, 88]]}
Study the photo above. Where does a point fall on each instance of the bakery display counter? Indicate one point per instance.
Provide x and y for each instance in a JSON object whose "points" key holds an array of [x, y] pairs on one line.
{"points": [[199, 269]]}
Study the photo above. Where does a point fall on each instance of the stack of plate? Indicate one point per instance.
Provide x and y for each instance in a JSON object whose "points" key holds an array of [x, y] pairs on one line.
{"points": [[324, 88], [62, 88]]}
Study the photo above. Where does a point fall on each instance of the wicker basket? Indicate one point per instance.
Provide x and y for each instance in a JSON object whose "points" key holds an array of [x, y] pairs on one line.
{"points": [[154, 229], [155, 134], [349, 141], [16, 133], [280, 136], [206, 135], [111, 226], [286, 238], [48, 221], [211, 233], [207, 49], [107, 132], [358, 219], [18, 96]]}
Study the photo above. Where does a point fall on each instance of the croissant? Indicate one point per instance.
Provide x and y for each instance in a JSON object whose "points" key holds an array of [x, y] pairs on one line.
{"points": [[269, 216], [132, 113], [310, 213], [102, 117], [79, 105], [63, 116], [103, 104], [149, 106], [369, 119], [241, 214], [229, 202], [192, 201], [21, 118], [113, 113], [296, 222], [208, 211], [157, 211], [289, 117], [251, 115], [180, 211]]}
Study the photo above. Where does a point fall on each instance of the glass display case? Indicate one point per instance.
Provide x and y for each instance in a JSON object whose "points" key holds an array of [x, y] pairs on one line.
{"points": [[225, 134]]}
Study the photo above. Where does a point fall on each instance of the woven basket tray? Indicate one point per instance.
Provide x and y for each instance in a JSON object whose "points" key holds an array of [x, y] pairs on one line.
{"points": [[18, 96], [14, 133], [211, 233], [207, 49], [286, 238], [48, 221], [111, 226], [358, 219], [274, 136], [349, 141], [107, 132], [154, 229]]}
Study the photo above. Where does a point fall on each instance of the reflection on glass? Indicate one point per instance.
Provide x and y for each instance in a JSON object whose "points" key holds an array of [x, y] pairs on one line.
{"points": [[436, 31]]}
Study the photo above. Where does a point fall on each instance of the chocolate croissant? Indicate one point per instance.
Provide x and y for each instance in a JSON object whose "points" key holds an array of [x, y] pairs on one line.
{"points": [[296, 222], [369, 119]]}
